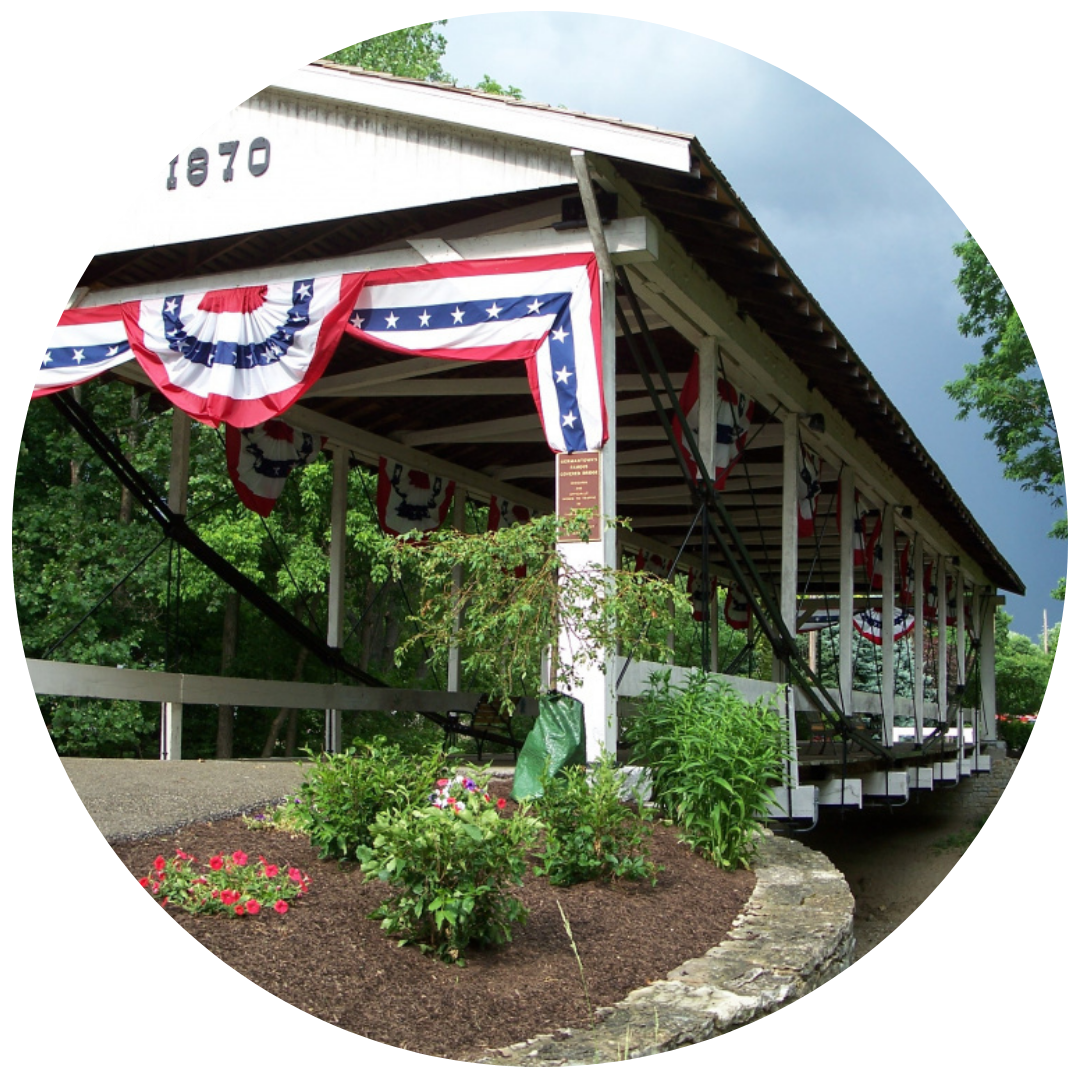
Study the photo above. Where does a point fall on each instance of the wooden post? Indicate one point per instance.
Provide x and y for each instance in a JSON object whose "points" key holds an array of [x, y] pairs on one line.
{"points": [[172, 712], [597, 691], [943, 640], [335, 629], [918, 691], [708, 353], [961, 660], [847, 587], [987, 653], [888, 618], [789, 532], [453, 659]]}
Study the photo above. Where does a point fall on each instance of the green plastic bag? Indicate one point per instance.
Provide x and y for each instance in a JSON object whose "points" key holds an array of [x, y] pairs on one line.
{"points": [[556, 740]]}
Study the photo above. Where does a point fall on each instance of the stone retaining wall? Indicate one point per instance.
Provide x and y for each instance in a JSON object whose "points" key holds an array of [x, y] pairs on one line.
{"points": [[975, 796], [795, 933]]}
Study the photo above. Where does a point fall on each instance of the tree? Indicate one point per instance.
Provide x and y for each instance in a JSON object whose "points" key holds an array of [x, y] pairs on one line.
{"points": [[1005, 388], [413, 53], [1021, 669]]}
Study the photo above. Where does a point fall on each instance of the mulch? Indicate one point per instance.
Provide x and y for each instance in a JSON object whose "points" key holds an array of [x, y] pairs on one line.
{"points": [[326, 957]]}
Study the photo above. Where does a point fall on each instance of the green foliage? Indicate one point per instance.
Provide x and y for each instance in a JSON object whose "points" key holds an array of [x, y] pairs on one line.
{"points": [[713, 757], [1015, 734], [502, 623], [1021, 669], [343, 793], [452, 869], [590, 833], [1005, 388], [413, 53]]}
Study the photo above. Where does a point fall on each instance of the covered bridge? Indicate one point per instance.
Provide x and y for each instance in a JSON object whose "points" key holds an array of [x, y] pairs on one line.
{"points": [[483, 290]]}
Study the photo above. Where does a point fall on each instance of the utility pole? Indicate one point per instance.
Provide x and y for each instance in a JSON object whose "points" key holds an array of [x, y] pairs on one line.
{"points": [[1046, 633]]}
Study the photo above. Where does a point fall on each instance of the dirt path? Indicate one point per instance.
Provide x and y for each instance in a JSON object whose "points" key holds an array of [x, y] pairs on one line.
{"points": [[892, 858]]}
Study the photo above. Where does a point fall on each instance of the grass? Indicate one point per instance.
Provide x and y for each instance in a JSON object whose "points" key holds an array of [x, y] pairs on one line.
{"points": [[956, 841]]}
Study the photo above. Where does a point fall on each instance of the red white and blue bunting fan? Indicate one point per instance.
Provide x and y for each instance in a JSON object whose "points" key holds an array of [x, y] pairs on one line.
{"points": [[809, 489], [654, 564], [818, 619], [734, 413], [502, 514], [544, 310], [260, 460], [866, 538], [697, 598], [736, 608], [411, 500], [870, 624], [243, 356], [907, 577], [85, 343]]}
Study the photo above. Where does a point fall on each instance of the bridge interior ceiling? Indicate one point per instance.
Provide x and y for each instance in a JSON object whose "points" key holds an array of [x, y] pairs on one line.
{"points": [[481, 416]]}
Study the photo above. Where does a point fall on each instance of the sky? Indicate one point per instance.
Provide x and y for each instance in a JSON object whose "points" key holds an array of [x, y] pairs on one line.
{"points": [[865, 232]]}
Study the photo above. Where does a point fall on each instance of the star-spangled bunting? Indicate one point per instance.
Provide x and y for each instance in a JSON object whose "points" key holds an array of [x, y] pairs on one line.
{"points": [[870, 624], [261, 459], [734, 412], [411, 500], [243, 356], [809, 488], [544, 310]]}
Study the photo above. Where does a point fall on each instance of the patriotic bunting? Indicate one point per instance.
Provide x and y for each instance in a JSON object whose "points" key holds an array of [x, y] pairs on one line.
{"points": [[866, 539], [502, 514], [736, 609], [870, 624], [698, 596], [809, 488], [410, 500], [907, 577], [260, 460], [243, 356], [544, 310], [85, 343], [819, 619], [653, 563], [734, 412]]}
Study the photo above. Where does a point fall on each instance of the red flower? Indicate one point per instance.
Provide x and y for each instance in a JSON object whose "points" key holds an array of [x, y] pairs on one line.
{"points": [[144, 882], [216, 862], [159, 863], [281, 907], [253, 907], [239, 858], [295, 875], [164, 901], [501, 804], [239, 909]]}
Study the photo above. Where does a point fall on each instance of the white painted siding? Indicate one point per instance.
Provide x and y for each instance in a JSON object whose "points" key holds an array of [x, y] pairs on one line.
{"points": [[330, 160]]}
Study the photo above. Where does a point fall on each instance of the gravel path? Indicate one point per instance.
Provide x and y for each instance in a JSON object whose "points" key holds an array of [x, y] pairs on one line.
{"points": [[129, 800]]}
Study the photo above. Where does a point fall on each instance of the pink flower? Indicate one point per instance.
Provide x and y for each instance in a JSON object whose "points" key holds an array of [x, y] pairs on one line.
{"points": [[295, 875], [281, 907], [239, 909], [239, 858], [270, 870], [253, 907], [442, 783], [159, 863], [216, 862]]}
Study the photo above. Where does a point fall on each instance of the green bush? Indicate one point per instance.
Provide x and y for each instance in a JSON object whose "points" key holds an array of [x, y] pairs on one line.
{"points": [[589, 832], [1015, 734], [342, 793], [713, 757], [451, 868]]}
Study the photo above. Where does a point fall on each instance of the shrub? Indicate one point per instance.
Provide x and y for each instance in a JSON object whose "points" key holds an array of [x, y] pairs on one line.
{"points": [[1015, 734], [712, 757], [589, 832], [342, 793], [451, 867]]}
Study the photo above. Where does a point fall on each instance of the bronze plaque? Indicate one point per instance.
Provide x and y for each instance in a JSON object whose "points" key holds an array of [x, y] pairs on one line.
{"points": [[577, 487]]}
